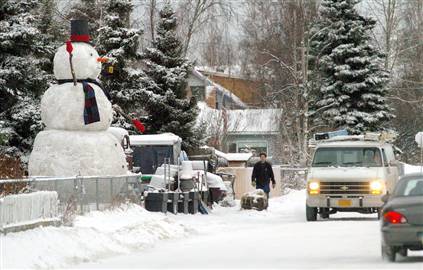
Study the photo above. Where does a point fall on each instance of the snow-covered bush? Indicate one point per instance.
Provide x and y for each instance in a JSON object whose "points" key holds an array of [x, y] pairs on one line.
{"points": [[24, 58]]}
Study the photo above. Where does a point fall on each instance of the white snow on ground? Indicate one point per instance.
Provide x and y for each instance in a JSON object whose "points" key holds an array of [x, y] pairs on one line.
{"points": [[277, 238], [280, 237], [97, 235], [409, 169]]}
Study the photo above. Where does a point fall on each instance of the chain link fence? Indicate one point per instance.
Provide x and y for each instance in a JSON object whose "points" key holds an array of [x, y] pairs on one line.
{"points": [[75, 195]]}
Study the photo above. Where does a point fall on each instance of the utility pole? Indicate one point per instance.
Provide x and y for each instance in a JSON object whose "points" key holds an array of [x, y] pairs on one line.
{"points": [[304, 95]]}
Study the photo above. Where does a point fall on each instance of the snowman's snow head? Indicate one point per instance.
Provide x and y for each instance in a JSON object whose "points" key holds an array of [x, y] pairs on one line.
{"points": [[85, 61]]}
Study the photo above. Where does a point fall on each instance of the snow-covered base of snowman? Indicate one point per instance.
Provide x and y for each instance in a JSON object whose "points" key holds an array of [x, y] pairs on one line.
{"points": [[68, 153], [62, 108]]}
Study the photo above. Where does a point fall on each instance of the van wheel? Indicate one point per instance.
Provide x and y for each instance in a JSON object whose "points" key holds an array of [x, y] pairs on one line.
{"points": [[389, 253], [311, 213]]}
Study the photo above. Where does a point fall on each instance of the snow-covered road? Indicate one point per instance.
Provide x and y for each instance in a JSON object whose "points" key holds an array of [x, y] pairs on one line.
{"points": [[228, 238], [279, 237]]}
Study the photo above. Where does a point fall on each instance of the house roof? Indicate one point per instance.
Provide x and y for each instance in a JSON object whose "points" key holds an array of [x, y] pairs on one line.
{"points": [[240, 122], [212, 86], [234, 156], [254, 121], [231, 156]]}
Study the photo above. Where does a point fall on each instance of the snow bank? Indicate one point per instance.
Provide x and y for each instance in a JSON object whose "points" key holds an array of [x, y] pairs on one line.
{"points": [[409, 169], [279, 238], [129, 229], [97, 235]]}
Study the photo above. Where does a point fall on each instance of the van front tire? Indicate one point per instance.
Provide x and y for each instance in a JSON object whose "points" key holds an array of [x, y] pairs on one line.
{"points": [[311, 213]]}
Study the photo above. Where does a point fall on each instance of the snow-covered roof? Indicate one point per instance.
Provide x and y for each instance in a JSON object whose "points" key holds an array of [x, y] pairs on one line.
{"points": [[245, 122], [155, 139], [225, 92], [212, 86], [254, 121], [234, 156], [234, 71]]}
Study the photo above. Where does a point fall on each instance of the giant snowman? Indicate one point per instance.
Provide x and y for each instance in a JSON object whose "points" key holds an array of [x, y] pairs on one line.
{"points": [[77, 114]]}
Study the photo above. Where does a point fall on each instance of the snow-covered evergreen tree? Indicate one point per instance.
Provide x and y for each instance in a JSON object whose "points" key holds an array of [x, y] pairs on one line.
{"points": [[23, 60], [54, 29], [167, 104], [352, 89], [119, 42]]}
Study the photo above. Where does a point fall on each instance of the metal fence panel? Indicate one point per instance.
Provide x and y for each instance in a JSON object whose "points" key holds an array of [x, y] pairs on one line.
{"points": [[80, 194]]}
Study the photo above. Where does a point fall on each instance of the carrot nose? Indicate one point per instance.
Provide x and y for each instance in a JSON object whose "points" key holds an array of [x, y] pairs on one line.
{"points": [[102, 59]]}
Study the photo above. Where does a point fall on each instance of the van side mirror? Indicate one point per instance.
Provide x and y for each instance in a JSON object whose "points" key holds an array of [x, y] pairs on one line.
{"points": [[385, 198]]}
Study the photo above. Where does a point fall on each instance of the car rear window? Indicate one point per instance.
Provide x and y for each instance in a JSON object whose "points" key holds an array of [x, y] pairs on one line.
{"points": [[411, 187]]}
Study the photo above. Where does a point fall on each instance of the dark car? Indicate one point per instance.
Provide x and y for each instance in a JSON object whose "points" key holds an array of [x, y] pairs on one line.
{"points": [[402, 218]]}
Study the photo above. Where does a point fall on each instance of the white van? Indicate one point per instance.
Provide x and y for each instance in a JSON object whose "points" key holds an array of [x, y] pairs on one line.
{"points": [[350, 174]]}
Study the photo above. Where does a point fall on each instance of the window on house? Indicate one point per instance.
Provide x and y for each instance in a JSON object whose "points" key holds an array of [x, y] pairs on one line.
{"points": [[256, 147], [232, 148], [199, 92]]}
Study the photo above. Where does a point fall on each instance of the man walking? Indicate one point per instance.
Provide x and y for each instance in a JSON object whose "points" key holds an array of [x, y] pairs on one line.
{"points": [[263, 174]]}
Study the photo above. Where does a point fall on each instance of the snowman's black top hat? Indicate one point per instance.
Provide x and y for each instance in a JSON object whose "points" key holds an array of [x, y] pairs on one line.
{"points": [[79, 31]]}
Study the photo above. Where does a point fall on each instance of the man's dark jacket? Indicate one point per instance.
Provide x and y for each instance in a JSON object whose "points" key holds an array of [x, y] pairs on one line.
{"points": [[263, 173]]}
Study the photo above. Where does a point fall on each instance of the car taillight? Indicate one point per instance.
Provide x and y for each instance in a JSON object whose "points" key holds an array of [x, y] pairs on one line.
{"points": [[394, 217]]}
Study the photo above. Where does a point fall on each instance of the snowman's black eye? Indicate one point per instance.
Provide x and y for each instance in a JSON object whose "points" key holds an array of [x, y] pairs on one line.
{"points": [[91, 54]]}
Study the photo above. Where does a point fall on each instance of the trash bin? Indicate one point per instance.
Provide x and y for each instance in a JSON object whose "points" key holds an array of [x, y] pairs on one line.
{"points": [[186, 184], [156, 202]]}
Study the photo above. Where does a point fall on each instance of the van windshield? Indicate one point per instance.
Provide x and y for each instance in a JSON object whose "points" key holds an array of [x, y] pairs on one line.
{"points": [[347, 157]]}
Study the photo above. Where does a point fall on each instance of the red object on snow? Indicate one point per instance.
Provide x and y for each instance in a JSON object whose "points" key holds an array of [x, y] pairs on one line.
{"points": [[138, 125], [69, 47]]}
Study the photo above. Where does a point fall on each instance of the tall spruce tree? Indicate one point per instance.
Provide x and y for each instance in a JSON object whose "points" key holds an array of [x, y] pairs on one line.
{"points": [[352, 85], [166, 98], [23, 60], [53, 28], [119, 43]]}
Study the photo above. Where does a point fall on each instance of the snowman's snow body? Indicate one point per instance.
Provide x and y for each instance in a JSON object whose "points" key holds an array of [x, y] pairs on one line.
{"points": [[68, 146]]}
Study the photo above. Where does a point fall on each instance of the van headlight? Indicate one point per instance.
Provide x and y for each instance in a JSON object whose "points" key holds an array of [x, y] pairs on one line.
{"points": [[376, 187], [313, 187]]}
